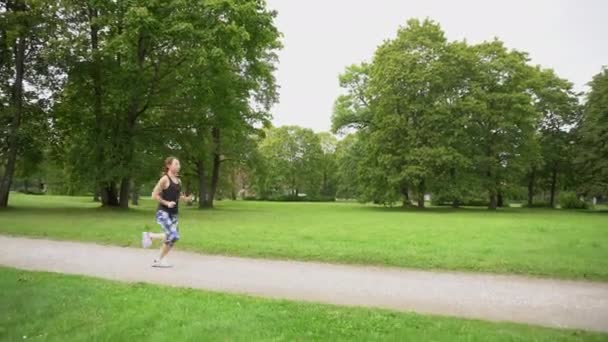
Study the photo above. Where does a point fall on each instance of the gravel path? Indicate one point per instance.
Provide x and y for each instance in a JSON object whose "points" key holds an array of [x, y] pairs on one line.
{"points": [[547, 302]]}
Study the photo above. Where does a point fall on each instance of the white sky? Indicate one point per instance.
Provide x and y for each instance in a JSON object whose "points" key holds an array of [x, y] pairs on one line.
{"points": [[322, 37]]}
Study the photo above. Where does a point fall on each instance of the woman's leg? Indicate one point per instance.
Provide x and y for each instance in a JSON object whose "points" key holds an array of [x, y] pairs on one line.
{"points": [[170, 236], [148, 238], [164, 250], [157, 236]]}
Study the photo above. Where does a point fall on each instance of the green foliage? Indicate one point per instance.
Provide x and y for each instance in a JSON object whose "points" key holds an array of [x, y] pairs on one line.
{"points": [[538, 205], [443, 200], [348, 155], [147, 80], [454, 120], [133, 82], [293, 198], [353, 109], [552, 153], [27, 30], [592, 144], [291, 161], [412, 127], [329, 185], [569, 200]]}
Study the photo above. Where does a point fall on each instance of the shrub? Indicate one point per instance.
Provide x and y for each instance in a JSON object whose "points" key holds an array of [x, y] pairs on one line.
{"points": [[466, 202], [292, 198], [443, 200], [538, 205], [31, 192], [569, 200]]}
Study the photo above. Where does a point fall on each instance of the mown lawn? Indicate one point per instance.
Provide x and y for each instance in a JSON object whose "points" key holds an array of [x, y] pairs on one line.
{"points": [[557, 243], [53, 307]]}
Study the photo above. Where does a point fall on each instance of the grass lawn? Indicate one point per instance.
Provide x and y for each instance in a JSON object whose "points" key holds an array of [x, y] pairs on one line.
{"points": [[53, 307], [559, 243]]}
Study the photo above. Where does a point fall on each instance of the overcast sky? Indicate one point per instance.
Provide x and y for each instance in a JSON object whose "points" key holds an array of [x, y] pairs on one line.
{"points": [[322, 37]]}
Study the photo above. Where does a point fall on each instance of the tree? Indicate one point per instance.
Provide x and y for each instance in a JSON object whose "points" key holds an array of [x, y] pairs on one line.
{"points": [[225, 92], [353, 109], [328, 165], [25, 77], [359, 173], [415, 84], [291, 163], [142, 67], [119, 56], [501, 117], [592, 149], [558, 106], [445, 118], [348, 157]]}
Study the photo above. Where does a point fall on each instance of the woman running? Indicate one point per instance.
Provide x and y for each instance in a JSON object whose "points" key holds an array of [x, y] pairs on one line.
{"points": [[167, 192]]}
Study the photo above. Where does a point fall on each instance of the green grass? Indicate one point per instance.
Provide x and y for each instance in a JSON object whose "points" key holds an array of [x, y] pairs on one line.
{"points": [[544, 242], [52, 307]]}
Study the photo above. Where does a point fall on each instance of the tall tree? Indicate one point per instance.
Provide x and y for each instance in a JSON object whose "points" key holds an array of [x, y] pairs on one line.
{"points": [[217, 111], [592, 149], [328, 165], [502, 117], [360, 174], [558, 106], [348, 159], [352, 110], [26, 28], [413, 126], [137, 62], [291, 163]]}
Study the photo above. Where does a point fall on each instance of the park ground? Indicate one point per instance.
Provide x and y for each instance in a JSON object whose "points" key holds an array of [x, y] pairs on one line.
{"points": [[537, 242]]}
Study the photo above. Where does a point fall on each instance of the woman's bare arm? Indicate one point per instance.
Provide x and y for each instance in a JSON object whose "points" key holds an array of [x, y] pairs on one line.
{"points": [[160, 186]]}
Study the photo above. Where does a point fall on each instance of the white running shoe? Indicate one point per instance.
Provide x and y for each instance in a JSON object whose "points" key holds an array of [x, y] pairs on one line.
{"points": [[161, 263], [146, 240]]}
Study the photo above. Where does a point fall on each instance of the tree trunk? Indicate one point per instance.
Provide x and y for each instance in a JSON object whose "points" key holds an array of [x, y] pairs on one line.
{"points": [[455, 201], [134, 110], [135, 194], [233, 185], [202, 184], [492, 192], [109, 197], [499, 200], [124, 193], [97, 103], [420, 195], [531, 181], [215, 171], [493, 200], [405, 201], [420, 200], [324, 191], [16, 104], [215, 177], [553, 186]]}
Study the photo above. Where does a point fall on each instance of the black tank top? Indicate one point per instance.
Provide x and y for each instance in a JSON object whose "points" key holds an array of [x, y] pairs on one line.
{"points": [[170, 194]]}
